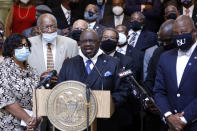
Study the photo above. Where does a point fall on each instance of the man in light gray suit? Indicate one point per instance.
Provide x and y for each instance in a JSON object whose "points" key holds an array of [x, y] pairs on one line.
{"points": [[49, 51], [59, 47]]}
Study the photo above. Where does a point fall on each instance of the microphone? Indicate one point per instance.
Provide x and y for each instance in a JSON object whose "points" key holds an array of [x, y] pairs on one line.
{"points": [[48, 77], [142, 92], [125, 73], [97, 70]]}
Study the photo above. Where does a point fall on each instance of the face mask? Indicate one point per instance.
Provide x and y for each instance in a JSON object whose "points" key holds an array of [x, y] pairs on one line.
{"points": [[24, 1], [49, 37], [122, 39], [108, 45], [172, 16], [117, 10], [135, 25], [21, 54], [186, 2], [183, 41], [90, 16], [100, 2], [76, 34]]}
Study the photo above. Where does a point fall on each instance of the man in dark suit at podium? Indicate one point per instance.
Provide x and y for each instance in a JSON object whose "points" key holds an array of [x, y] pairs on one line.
{"points": [[81, 68]]}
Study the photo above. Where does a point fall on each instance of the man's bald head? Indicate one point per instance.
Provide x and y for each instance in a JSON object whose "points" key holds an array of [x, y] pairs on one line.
{"points": [[183, 24], [89, 43], [166, 28], [80, 25]]}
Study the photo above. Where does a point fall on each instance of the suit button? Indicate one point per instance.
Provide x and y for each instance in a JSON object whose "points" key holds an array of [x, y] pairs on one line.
{"points": [[178, 95]]}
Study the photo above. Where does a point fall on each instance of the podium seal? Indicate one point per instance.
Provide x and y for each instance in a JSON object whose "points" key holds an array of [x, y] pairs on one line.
{"points": [[67, 104]]}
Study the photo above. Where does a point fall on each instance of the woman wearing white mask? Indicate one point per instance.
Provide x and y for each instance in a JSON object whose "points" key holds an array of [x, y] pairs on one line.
{"points": [[21, 17], [17, 81]]}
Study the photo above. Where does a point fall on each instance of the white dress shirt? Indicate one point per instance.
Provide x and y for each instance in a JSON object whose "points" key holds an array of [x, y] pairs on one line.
{"points": [[94, 59], [190, 11], [118, 19], [67, 13], [122, 50], [136, 38], [91, 25], [53, 48], [182, 60]]}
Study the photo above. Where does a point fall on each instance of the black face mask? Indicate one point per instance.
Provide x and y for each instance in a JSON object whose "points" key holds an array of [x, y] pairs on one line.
{"points": [[169, 46], [108, 45], [172, 16], [183, 41], [76, 34], [135, 25], [186, 2]]}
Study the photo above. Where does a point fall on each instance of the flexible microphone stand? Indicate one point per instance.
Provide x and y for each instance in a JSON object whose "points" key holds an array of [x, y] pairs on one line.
{"points": [[144, 92]]}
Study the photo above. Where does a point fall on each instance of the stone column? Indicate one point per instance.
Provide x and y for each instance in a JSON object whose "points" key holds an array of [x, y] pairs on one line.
{"points": [[4, 9]]}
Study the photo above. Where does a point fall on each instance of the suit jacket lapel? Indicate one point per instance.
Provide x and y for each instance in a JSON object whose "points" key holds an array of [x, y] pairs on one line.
{"points": [[139, 41], [40, 53], [62, 15], [59, 53], [191, 64], [173, 69], [94, 75], [81, 71]]}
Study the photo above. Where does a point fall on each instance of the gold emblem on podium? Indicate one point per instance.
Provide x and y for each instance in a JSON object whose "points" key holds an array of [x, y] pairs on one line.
{"points": [[67, 106]]}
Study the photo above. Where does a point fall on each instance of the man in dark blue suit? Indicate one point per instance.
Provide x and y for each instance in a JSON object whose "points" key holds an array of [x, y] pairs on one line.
{"points": [[127, 116], [125, 49], [81, 68], [175, 85], [137, 36]]}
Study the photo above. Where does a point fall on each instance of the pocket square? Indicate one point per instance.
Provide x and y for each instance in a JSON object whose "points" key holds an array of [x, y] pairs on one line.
{"points": [[108, 73]]}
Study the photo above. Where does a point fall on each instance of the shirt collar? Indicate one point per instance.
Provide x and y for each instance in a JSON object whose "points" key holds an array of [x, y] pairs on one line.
{"points": [[119, 17], [91, 25], [65, 10], [131, 31], [191, 8], [189, 52], [124, 48], [94, 59], [53, 43]]}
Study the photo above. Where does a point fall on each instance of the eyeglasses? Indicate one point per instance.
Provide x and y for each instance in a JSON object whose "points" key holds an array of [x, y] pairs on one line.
{"points": [[46, 28], [90, 41], [23, 45]]}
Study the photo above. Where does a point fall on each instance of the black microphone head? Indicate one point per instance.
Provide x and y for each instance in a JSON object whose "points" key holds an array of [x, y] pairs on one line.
{"points": [[53, 73]]}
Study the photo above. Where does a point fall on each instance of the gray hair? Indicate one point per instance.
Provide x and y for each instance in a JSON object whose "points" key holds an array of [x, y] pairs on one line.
{"points": [[44, 15], [140, 13], [112, 29]]}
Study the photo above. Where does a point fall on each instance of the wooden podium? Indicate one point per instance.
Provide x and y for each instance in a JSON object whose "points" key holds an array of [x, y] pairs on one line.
{"points": [[104, 102]]}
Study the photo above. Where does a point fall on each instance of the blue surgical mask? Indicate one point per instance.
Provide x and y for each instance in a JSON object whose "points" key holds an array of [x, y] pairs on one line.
{"points": [[49, 37], [90, 16], [135, 26], [21, 54]]}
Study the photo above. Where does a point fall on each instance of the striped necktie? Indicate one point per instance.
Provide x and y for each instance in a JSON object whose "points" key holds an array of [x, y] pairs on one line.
{"points": [[50, 63], [132, 40]]}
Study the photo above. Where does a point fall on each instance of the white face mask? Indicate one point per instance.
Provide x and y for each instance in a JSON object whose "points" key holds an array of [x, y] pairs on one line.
{"points": [[122, 39], [49, 37], [117, 10], [24, 1]]}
